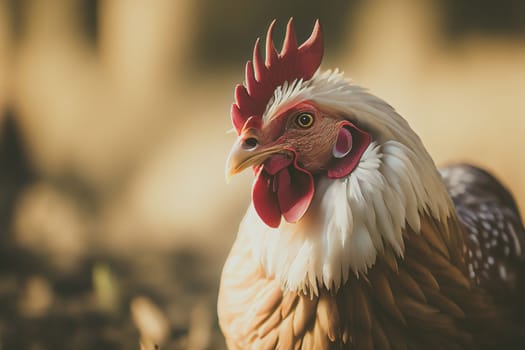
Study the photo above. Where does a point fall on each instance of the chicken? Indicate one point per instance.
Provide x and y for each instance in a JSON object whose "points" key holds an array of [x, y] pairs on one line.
{"points": [[353, 238]]}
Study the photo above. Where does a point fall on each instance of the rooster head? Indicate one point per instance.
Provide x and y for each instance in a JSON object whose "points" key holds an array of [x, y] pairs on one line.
{"points": [[289, 139]]}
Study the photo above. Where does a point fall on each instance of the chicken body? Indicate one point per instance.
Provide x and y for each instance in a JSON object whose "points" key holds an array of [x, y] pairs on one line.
{"points": [[354, 240]]}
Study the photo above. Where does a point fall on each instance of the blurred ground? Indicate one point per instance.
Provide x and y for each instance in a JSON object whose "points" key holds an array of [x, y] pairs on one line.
{"points": [[114, 215]]}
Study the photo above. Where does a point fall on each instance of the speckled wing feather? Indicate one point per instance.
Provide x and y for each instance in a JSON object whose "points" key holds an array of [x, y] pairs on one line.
{"points": [[495, 237]]}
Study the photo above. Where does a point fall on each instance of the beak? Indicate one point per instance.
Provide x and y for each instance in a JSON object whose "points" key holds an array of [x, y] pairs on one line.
{"points": [[247, 152]]}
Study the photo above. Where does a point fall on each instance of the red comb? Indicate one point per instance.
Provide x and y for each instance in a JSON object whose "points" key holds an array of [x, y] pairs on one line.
{"points": [[262, 79]]}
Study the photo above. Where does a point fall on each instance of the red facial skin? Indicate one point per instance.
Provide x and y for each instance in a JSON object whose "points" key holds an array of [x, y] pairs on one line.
{"points": [[284, 184]]}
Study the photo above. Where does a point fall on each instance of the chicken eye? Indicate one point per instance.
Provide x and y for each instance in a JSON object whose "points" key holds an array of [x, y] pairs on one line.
{"points": [[304, 120]]}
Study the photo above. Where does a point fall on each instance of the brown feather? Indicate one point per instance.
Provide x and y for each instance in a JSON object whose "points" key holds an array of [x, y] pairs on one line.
{"points": [[286, 335], [456, 240], [423, 273], [416, 310], [431, 235], [269, 324], [269, 342], [390, 259], [345, 336], [381, 341], [304, 314], [308, 341], [454, 275], [288, 303], [420, 251], [269, 302], [360, 316], [395, 336], [407, 282], [328, 318], [443, 303], [384, 296], [321, 340]]}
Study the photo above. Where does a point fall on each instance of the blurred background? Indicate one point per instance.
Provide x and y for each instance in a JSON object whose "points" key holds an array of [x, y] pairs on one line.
{"points": [[115, 218]]}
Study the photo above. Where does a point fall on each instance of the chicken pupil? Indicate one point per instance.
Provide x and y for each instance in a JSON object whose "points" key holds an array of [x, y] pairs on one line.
{"points": [[305, 119]]}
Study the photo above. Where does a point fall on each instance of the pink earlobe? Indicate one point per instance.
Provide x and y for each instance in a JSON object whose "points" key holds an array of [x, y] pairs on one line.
{"points": [[343, 144], [351, 147]]}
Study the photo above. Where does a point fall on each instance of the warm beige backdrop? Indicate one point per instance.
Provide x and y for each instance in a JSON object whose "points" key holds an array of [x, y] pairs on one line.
{"points": [[142, 128]]}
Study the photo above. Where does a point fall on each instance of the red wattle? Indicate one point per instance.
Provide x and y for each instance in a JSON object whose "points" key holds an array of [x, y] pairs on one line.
{"points": [[265, 199], [295, 192], [276, 163], [282, 189]]}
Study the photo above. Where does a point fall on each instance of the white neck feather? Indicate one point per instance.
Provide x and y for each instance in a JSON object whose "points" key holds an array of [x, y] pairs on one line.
{"points": [[351, 220]]}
